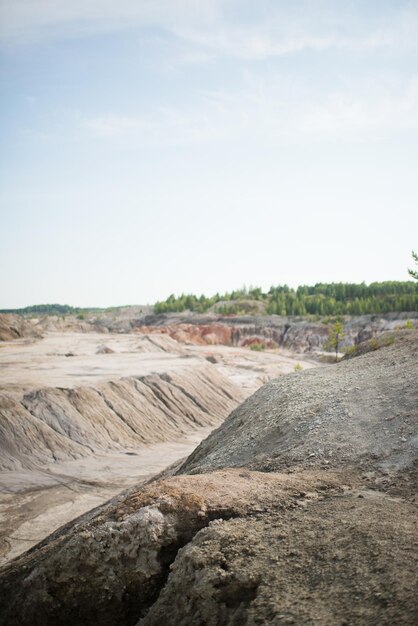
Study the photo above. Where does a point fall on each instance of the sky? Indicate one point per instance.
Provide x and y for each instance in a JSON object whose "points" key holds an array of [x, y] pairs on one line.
{"points": [[151, 147]]}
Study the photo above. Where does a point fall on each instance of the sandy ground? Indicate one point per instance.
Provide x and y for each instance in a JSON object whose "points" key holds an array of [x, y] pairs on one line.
{"points": [[70, 360], [250, 369], [33, 504]]}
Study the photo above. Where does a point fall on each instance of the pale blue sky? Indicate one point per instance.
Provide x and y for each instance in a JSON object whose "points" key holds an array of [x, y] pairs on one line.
{"points": [[151, 147]]}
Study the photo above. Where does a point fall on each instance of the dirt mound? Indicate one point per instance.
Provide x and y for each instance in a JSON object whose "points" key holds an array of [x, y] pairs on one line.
{"points": [[159, 342], [194, 334], [58, 423], [331, 539], [244, 548], [360, 412], [27, 441], [110, 568], [16, 327], [103, 349]]}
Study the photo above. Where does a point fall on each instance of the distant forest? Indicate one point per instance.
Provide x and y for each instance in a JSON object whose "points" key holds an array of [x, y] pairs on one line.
{"points": [[51, 309], [320, 299]]}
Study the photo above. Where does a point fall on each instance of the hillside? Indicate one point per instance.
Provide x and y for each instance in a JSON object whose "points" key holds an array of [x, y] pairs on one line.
{"points": [[328, 417], [16, 327], [274, 331], [257, 330], [299, 509], [321, 299]]}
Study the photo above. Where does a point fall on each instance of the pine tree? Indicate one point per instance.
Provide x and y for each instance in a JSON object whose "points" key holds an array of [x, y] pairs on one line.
{"points": [[414, 273], [336, 335]]}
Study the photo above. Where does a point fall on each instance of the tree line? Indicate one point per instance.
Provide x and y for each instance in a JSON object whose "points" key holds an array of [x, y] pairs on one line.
{"points": [[328, 299], [319, 299], [51, 309]]}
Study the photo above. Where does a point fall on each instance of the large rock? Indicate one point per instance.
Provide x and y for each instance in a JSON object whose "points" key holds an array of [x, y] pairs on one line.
{"points": [[110, 569], [322, 562]]}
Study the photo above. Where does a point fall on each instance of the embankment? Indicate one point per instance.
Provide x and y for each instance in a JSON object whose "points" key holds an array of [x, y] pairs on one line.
{"points": [[14, 327], [58, 424], [296, 334]]}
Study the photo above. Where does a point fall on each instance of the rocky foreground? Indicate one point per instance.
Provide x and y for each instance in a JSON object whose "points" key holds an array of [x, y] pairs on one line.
{"points": [[299, 509]]}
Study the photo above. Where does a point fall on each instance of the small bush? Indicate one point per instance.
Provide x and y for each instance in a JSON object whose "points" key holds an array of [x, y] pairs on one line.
{"points": [[258, 347], [369, 346], [298, 367], [351, 350]]}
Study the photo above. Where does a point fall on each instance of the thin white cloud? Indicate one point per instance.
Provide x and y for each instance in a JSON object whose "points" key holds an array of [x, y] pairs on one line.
{"points": [[353, 116], [258, 44], [312, 26], [268, 111], [112, 126], [33, 20], [167, 126], [281, 29]]}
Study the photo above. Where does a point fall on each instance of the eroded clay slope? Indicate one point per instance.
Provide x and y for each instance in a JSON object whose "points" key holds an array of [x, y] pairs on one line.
{"points": [[296, 334], [16, 327], [57, 423]]}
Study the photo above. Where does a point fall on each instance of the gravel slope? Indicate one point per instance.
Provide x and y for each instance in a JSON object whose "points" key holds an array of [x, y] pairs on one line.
{"points": [[360, 412]]}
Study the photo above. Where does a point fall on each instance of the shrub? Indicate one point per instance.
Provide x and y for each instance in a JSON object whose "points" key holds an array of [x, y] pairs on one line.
{"points": [[258, 347], [369, 346]]}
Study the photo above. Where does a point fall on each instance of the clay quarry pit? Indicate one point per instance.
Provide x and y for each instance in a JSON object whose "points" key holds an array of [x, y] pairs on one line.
{"points": [[39, 493], [156, 476]]}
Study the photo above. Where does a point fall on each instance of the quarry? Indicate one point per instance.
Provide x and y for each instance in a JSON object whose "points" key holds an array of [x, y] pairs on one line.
{"points": [[85, 414], [209, 313], [166, 472]]}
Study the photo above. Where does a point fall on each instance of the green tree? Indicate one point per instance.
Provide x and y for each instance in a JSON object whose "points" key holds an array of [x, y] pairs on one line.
{"points": [[334, 299], [336, 335], [414, 273]]}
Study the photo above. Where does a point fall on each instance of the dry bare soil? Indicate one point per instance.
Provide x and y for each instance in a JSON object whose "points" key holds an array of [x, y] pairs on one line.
{"points": [[299, 509]]}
